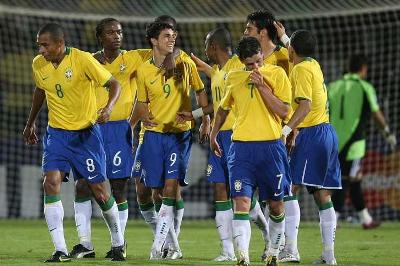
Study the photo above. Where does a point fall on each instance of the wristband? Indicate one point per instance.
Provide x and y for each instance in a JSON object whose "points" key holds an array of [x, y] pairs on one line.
{"points": [[285, 39], [197, 113], [286, 131]]}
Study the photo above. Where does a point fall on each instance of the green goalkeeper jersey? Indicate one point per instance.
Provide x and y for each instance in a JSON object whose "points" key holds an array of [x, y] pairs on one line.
{"points": [[351, 101]]}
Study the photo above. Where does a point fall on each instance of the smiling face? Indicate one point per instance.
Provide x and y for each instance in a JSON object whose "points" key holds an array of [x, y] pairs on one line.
{"points": [[51, 49], [165, 42], [111, 36]]}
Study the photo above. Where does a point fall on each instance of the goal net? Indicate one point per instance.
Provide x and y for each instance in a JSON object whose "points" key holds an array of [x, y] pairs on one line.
{"points": [[342, 27]]}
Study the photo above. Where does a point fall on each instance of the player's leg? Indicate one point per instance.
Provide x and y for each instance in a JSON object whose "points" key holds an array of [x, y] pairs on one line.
{"points": [[339, 196], [83, 215], [258, 218]]}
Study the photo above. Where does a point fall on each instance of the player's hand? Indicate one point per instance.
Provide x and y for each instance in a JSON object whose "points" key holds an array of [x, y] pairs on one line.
{"points": [[182, 117], [149, 121], [280, 29], [204, 130], [169, 65], [103, 115], [291, 140], [214, 146], [257, 78], [201, 65], [392, 141], [29, 134]]}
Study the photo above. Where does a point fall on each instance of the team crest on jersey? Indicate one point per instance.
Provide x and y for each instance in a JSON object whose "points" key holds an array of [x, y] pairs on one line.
{"points": [[122, 68], [137, 165], [68, 73], [238, 185], [209, 169], [225, 76]]}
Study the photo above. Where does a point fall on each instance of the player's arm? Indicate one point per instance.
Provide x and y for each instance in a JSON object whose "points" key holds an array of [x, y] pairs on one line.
{"points": [[219, 120], [280, 30], [272, 102], [385, 130], [144, 114], [113, 95], [201, 65], [29, 132], [204, 130], [183, 116]]}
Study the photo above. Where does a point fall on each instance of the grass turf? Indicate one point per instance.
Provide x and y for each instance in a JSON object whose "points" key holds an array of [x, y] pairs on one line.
{"points": [[27, 242]]}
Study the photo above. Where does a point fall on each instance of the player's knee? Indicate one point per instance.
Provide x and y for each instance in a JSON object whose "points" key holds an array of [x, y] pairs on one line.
{"points": [[242, 204], [276, 207], [322, 196], [220, 192], [99, 192], [82, 189], [119, 190], [51, 185], [157, 195], [170, 188], [295, 189]]}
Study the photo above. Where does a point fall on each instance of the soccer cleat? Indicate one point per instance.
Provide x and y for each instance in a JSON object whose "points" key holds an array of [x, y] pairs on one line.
{"points": [[58, 256], [164, 253], [155, 254], [79, 252], [265, 254], [321, 260], [271, 261], [242, 263], [108, 254], [117, 253], [174, 254], [243, 259], [224, 257], [371, 225], [125, 248], [286, 256]]}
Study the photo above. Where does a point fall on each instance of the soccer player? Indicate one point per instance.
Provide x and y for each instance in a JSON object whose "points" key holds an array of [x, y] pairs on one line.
{"points": [[351, 102], [159, 99], [314, 159], [117, 134], [65, 77], [259, 97]]}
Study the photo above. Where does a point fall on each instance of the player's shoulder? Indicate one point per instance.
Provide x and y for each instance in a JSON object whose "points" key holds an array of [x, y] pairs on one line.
{"points": [[308, 65], [273, 70], [38, 62], [281, 50]]}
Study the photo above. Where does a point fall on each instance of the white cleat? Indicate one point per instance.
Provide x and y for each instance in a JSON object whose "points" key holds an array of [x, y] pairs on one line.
{"points": [[155, 255], [224, 257], [321, 260], [174, 254], [286, 256]]}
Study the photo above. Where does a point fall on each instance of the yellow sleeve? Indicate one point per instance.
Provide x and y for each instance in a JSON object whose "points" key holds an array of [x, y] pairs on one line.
{"points": [[227, 100], [94, 70], [145, 54], [135, 57], [141, 87], [283, 89], [195, 80], [301, 80]]}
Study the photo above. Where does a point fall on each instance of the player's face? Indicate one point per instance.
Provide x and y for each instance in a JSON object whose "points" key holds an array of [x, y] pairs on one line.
{"points": [[253, 62], [111, 37], [52, 50], [251, 31], [209, 49], [166, 41]]}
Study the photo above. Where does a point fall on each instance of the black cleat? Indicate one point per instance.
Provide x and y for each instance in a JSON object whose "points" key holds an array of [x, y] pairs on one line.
{"points": [[271, 261], [117, 253], [109, 254], [79, 251], [58, 256]]}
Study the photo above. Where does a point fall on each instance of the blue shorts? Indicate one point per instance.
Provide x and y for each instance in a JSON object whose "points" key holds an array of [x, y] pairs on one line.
{"points": [[165, 156], [314, 161], [137, 166], [259, 164], [79, 150], [217, 169], [118, 145]]}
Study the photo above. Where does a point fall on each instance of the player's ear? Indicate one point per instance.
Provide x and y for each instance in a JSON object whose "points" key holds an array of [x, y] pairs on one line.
{"points": [[264, 32], [154, 41]]}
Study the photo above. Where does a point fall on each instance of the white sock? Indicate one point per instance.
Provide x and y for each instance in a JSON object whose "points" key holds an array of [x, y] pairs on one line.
{"points": [[257, 216], [292, 222], [164, 223], [276, 230], [123, 219], [150, 217], [327, 219], [54, 215], [223, 220], [241, 238], [112, 220], [83, 215], [365, 217], [178, 219]]}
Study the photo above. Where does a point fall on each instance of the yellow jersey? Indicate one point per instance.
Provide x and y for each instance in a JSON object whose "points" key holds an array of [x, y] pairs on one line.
{"points": [[167, 97], [218, 87], [123, 68], [253, 120], [70, 89], [308, 83], [280, 57]]}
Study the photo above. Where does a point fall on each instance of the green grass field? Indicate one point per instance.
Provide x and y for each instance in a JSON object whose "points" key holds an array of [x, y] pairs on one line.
{"points": [[27, 242]]}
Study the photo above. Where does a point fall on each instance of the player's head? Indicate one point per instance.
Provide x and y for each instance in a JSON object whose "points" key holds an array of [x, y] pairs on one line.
{"points": [[302, 44], [250, 53], [216, 41], [260, 24], [358, 63], [166, 19], [50, 39], [161, 36], [109, 33]]}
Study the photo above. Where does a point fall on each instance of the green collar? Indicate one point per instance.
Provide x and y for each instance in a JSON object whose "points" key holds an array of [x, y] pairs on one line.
{"points": [[67, 50], [353, 76]]}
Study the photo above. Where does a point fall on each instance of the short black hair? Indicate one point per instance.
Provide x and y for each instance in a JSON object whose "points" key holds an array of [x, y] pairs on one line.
{"points": [[247, 47], [222, 37], [264, 19], [166, 19], [357, 61], [303, 43], [102, 23], [154, 29], [56, 31]]}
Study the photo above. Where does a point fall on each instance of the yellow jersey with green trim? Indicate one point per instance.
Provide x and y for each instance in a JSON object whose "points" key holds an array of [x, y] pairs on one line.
{"points": [[70, 88], [167, 97], [308, 83], [123, 68], [280, 57], [218, 87], [253, 120]]}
